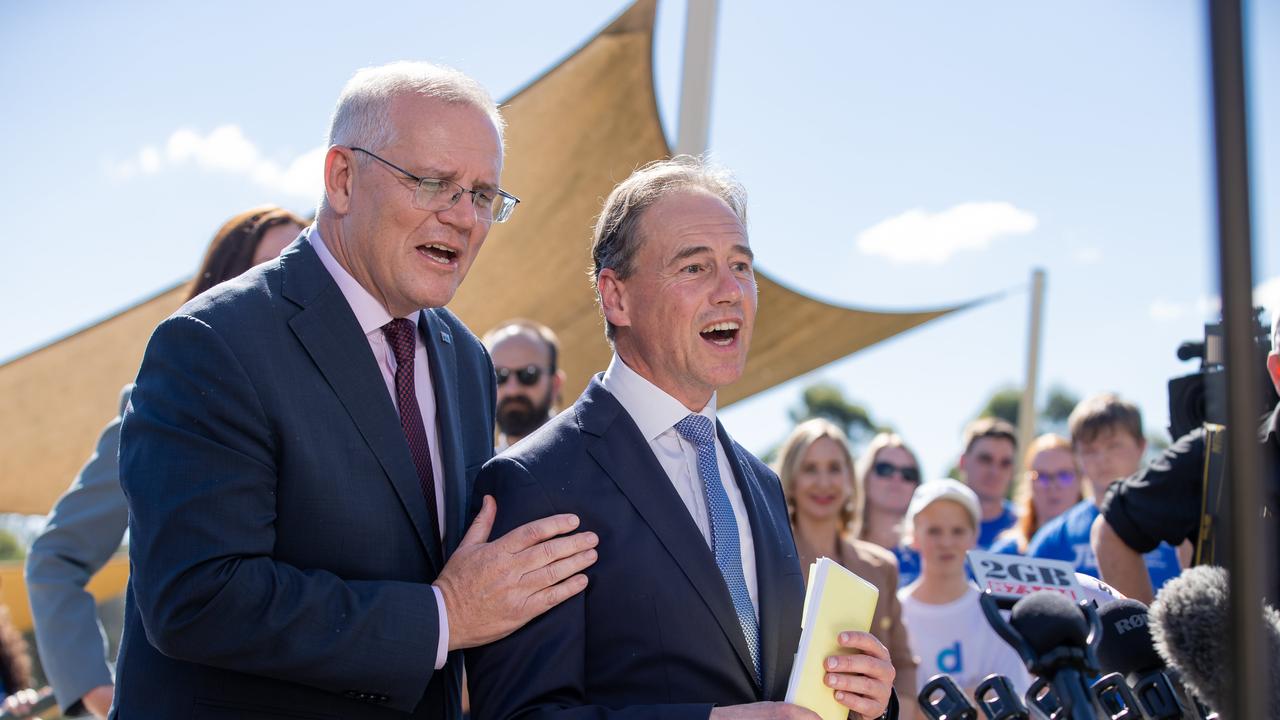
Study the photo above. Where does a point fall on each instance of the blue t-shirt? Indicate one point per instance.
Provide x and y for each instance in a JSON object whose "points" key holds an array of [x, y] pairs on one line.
{"points": [[992, 528], [908, 564], [1007, 545], [1066, 537]]}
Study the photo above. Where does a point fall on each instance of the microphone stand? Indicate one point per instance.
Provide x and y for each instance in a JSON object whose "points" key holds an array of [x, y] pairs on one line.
{"points": [[1064, 668]]}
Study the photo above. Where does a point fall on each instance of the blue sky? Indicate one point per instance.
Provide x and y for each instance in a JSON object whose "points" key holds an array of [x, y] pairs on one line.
{"points": [[898, 155]]}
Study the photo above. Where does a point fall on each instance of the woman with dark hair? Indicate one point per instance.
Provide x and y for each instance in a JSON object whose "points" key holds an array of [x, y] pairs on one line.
{"points": [[816, 469], [248, 239], [89, 521]]}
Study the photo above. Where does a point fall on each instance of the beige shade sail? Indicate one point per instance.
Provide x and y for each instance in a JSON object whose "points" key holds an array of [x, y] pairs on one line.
{"points": [[572, 135]]}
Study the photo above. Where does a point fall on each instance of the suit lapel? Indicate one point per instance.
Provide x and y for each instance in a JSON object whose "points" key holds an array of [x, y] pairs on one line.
{"points": [[765, 534], [328, 330], [444, 379], [623, 454]]}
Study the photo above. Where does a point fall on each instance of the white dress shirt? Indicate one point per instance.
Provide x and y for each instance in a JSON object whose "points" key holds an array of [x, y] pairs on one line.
{"points": [[372, 316], [655, 412]]}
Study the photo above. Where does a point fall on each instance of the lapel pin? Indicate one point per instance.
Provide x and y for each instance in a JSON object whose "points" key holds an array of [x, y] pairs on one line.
{"points": [[446, 337]]}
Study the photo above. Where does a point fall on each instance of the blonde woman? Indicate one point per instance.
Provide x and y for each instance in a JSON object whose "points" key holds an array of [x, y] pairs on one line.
{"points": [[816, 469], [888, 473]]}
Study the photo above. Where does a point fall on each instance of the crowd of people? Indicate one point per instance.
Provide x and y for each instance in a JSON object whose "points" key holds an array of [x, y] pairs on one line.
{"points": [[319, 525]]}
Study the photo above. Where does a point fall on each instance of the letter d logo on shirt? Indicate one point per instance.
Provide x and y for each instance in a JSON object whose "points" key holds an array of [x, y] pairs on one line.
{"points": [[950, 660]]}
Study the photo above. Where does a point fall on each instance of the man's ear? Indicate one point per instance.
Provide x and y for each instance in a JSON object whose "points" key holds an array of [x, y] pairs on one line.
{"points": [[338, 179], [1273, 367], [613, 298]]}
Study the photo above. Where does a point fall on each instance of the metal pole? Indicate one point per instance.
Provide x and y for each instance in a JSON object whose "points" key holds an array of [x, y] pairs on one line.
{"points": [[695, 87], [1247, 664], [1027, 407]]}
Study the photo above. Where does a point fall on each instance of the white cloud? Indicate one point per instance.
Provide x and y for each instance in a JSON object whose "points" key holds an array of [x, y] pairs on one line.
{"points": [[918, 236], [1209, 307], [1088, 255], [1267, 294], [226, 150], [1161, 309]]}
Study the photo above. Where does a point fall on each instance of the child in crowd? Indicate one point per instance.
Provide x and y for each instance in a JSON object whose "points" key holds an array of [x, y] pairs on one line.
{"points": [[1106, 434], [945, 622]]}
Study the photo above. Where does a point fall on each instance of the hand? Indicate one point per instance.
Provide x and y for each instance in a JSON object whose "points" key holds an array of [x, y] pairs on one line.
{"points": [[492, 588], [862, 682], [763, 711], [98, 700], [21, 702]]}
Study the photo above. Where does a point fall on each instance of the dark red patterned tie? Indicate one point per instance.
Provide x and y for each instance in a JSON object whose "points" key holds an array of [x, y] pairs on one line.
{"points": [[400, 333]]}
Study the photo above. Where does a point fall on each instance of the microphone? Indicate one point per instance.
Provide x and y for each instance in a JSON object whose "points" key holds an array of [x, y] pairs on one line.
{"points": [[942, 699], [1189, 626], [1056, 638], [1126, 649], [998, 700]]}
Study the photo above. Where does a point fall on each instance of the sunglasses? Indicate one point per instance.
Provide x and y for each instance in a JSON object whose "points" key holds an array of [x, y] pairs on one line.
{"points": [[527, 375], [1064, 477], [887, 470]]}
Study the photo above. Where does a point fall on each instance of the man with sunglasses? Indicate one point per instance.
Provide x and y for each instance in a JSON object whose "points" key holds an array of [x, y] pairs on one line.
{"points": [[300, 447], [524, 359], [990, 445]]}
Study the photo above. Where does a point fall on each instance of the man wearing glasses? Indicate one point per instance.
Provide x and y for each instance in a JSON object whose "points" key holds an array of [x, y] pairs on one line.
{"points": [[525, 355], [300, 447]]}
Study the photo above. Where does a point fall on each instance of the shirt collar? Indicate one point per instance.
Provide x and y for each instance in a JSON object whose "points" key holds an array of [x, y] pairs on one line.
{"points": [[652, 408], [368, 311]]}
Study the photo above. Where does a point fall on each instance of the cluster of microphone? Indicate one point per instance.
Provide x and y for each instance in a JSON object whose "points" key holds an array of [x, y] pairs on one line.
{"points": [[1117, 661]]}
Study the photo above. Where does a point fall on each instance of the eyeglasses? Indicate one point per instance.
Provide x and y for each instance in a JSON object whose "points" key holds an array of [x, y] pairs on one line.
{"points": [[527, 375], [437, 195], [887, 470], [1064, 477]]}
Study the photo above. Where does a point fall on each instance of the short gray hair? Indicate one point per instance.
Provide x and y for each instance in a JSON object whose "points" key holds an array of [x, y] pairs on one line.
{"points": [[616, 238], [363, 113]]}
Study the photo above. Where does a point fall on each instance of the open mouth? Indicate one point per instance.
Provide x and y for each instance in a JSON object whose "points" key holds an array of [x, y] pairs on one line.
{"points": [[438, 253], [721, 333]]}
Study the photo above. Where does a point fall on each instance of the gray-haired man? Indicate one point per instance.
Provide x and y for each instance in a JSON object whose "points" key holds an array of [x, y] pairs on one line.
{"points": [[300, 447]]}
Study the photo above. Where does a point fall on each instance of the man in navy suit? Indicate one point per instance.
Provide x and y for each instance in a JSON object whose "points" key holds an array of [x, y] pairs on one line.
{"points": [[693, 609], [299, 451]]}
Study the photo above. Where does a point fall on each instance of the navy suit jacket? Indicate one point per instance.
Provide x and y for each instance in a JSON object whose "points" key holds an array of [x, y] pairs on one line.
{"points": [[655, 633], [279, 539]]}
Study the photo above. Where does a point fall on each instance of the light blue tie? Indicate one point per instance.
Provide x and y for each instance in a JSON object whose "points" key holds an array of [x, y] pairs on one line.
{"points": [[698, 430]]}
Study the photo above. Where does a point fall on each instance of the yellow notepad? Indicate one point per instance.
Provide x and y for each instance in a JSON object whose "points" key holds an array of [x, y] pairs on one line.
{"points": [[836, 600]]}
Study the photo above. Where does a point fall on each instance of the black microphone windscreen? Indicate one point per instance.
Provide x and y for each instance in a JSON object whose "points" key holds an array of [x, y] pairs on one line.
{"points": [[1049, 620], [1126, 645]]}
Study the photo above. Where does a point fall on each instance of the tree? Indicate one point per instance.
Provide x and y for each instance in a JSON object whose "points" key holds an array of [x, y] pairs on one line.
{"points": [[10, 548], [826, 400], [1058, 405]]}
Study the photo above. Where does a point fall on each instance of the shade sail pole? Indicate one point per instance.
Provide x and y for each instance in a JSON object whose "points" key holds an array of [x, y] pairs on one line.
{"points": [[699, 68], [1027, 406]]}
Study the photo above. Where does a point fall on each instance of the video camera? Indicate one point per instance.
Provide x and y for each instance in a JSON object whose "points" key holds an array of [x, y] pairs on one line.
{"points": [[1200, 398]]}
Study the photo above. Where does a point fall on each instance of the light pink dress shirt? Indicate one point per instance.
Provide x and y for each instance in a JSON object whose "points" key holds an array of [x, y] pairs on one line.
{"points": [[372, 316]]}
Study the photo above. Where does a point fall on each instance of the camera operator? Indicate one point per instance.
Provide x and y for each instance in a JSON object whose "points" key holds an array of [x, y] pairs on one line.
{"points": [[1163, 501]]}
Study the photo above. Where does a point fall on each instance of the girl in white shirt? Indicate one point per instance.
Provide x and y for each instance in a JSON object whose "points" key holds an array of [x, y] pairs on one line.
{"points": [[947, 629]]}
